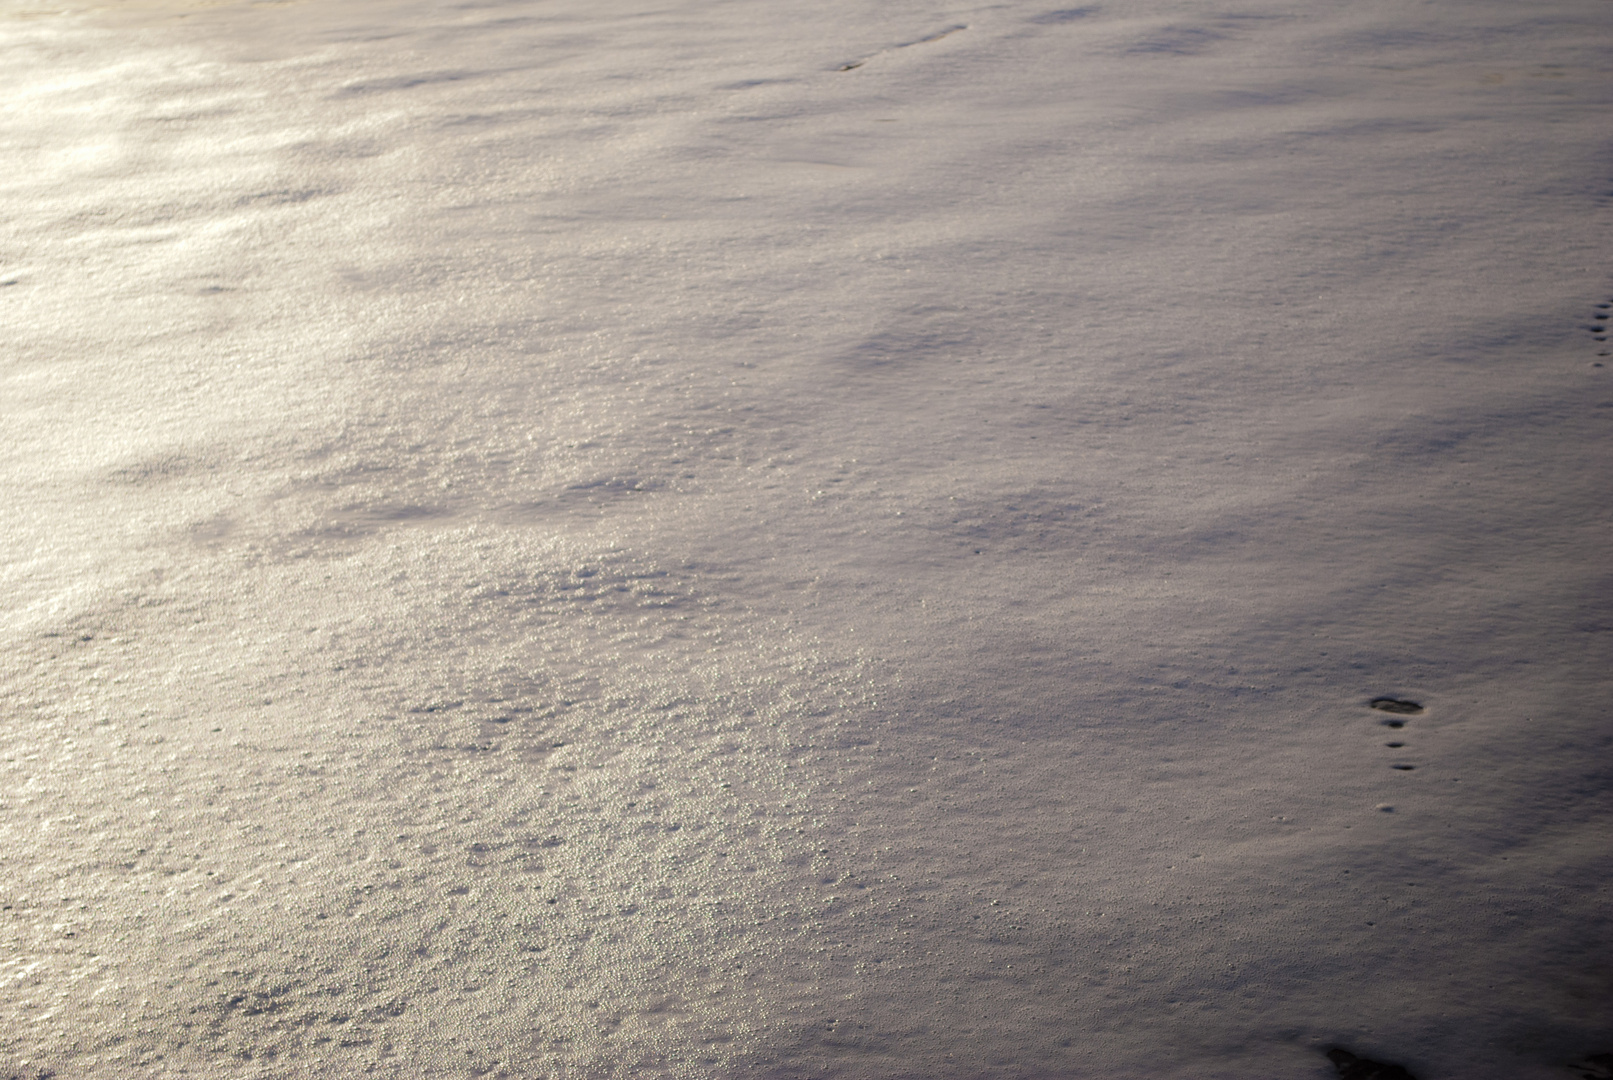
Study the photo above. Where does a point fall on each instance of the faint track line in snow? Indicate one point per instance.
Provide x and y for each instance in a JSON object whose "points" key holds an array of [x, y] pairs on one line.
{"points": [[937, 36], [948, 32]]}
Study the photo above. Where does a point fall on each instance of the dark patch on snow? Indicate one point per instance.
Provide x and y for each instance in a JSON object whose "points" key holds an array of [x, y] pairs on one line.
{"points": [[1178, 41], [437, 706], [1395, 705], [1595, 1067], [409, 82], [1064, 15], [284, 196], [1351, 1067]]}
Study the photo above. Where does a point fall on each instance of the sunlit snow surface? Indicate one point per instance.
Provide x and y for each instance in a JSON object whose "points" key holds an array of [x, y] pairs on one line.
{"points": [[576, 538]]}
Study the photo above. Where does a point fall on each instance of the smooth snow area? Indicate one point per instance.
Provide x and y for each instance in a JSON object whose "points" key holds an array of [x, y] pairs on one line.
{"points": [[749, 538]]}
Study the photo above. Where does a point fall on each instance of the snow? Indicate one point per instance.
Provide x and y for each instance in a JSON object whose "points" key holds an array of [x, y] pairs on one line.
{"points": [[737, 539]]}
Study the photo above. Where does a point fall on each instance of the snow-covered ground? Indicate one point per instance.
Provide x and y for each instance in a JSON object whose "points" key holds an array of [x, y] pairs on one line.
{"points": [[751, 538]]}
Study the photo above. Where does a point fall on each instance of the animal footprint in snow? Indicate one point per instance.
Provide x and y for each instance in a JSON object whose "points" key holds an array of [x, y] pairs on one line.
{"points": [[1598, 324]]}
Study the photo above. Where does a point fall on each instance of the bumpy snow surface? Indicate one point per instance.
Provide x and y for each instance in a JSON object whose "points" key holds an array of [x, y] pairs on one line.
{"points": [[754, 538]]}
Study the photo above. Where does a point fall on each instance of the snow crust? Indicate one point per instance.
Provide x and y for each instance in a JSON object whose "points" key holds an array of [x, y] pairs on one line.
{"points": [[798, 540]]}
